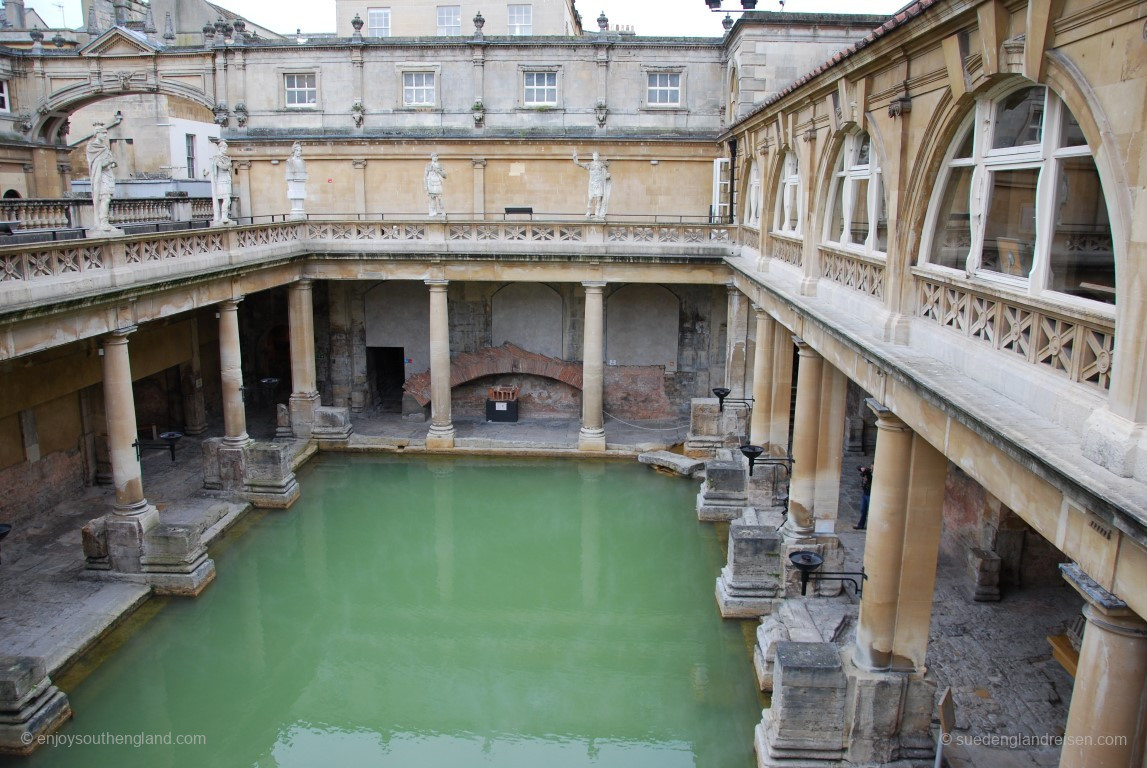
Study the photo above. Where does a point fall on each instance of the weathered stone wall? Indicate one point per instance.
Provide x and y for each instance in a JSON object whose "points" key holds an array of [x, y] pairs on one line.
{"points": [[57, 477]]}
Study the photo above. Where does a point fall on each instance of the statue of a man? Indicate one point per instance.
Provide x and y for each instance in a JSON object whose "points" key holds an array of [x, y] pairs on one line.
{"points": [[100, 165], [297, 181], [432, 178], [220, 172], [599, 186]]}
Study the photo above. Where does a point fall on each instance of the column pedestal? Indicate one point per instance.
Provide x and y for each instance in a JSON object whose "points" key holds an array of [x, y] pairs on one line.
{"points": [[30, 705], [750, 583], [724, 495]]}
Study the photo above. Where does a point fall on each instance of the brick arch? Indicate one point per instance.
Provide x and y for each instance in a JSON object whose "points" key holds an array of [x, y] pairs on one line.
{"points": [[491, 361]]}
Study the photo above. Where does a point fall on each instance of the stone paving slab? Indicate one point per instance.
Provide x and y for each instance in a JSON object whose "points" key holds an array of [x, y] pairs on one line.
{"points": [[674, 462]]}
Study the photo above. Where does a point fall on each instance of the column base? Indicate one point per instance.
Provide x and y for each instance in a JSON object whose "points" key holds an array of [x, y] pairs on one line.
{"points": [[270, 481], [743, 602], [302, 406], [750, 583], [30, 705], [115, 541], [190, 584], [723, 495], [174, 560], [331, 423], [591, 439], [793, 620], [224, 465], [440, 437]]}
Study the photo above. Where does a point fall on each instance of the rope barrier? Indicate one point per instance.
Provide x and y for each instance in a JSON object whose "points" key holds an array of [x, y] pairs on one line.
{"points": [[648, 429]]}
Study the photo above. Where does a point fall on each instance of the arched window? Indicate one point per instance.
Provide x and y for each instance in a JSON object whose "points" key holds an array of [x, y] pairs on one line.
{"points": [[790, 206], [753, 201], [1021, 200], [858, 217]]}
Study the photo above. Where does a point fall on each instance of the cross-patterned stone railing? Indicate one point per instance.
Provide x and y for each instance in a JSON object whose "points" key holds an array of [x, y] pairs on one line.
{"points": [[861, 273], [1078, 346]]}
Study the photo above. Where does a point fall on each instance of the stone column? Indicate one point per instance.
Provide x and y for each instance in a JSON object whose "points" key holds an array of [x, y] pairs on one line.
{"points": [[132, 515], [902, 547], [304, 389], [231, 367], [191, 381], [243, 169], [736, 334], [119, 407], [806, 433], [441, 433], [592, 435], [1110, 694], [782, 392], [759, 426], [359, 167], [830, 443]]}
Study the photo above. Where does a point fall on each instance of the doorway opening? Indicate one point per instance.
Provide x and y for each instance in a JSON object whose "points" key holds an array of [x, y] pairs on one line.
{"points": [[389, 365]]}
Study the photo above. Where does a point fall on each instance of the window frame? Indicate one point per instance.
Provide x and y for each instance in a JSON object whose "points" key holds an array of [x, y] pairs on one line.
{"points": [[288, 89], [190, 141], [789, 181], [5, 96], [1045, 157], [371, 27], [412, 87], [657, 72], [404, 68], [519, 29], [849, 171], [458, 17], [525, 71]]}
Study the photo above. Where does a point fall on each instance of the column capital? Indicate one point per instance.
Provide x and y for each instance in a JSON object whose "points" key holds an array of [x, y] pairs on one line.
{"points": [[595, 286], [119, 335], [732, 289], [804, 349], [885, 418], [358, 163], [437, 285], [1103, 608], [302, 284], [478, 162], [231, 303]]}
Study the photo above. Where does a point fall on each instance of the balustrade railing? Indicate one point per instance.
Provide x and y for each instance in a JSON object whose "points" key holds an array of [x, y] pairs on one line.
{"points": [[1076, 346], [853, 271]]}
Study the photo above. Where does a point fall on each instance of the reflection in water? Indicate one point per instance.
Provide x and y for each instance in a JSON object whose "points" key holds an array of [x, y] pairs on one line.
{"points": [[412, 611]]}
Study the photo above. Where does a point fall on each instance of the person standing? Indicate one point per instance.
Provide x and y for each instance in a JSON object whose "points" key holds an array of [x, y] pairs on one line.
{"points": [[865, 496]]}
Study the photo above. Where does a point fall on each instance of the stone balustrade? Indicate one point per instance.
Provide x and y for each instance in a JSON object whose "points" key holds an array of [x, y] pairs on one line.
{"points": [[33, 214]]}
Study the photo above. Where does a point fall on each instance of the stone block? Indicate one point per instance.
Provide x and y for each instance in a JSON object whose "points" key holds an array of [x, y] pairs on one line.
{"points": [[984, 575], [750, 582], [724, 494], [301, 409], [270, 481], [331, 423], [30, 706], [224, 465], [95, 544], [711, 428], [807, 716], [671, 463], [174, 560]]}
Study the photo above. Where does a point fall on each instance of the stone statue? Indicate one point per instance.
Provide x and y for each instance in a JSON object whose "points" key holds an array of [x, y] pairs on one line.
{"points": [[433, 177], [600, 183], [100, 170], [220, 171], [297, 181]]}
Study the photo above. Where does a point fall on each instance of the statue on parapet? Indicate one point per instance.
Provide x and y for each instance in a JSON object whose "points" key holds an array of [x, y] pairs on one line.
{"points": [[297, 181], [432, 179], [101, 172], [600, 184], [220, 174]]}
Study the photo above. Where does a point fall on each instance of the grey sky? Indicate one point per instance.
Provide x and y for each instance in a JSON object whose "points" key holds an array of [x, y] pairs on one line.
{"points": [[647, 17]]}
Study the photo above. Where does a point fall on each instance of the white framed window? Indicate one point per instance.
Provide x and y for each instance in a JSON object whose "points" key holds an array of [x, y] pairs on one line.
{"points": [[192, 165], [521, 20], [789, 212], [1020, 201], [300, 90], [449, 20], [663, 89], [418, 89], [5, 102], [540, 88], [752, 206], [378, 22], [857, 213]]}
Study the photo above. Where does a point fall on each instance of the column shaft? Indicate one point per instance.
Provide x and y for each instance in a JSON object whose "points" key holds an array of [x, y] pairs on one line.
{"points": [[806, 434], [782, 392], [231, 367], [759, 425], [441, 433], [736, 331], [902, 547], [830, 442], [119, 407], [302, 323], [1107, 724], [592, 436]]}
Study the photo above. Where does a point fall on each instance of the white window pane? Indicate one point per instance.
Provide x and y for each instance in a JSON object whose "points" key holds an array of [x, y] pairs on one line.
{"points": [[378, 22], [449, 20], [953, 237], [1009, 222], [521, 19], [836, 225], [4, 96], [1019, 119], [859, 224], [1082, 260]]}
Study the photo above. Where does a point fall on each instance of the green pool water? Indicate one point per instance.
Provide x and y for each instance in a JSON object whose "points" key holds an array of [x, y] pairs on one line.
{"points": [[417, 611]]}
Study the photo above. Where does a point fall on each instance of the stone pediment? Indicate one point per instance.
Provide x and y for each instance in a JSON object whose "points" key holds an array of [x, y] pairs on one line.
{"points": [[118, 41]]}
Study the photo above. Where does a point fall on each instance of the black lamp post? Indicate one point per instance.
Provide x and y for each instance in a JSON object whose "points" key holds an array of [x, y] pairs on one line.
{"points": [[806, 562], [752, 452], [722, 394]]}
